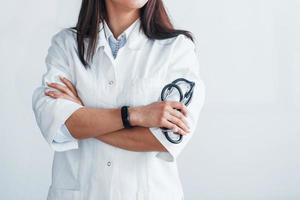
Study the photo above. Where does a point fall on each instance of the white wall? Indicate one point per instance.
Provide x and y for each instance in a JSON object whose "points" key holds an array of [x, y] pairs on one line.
{"points": [[248, 141]]}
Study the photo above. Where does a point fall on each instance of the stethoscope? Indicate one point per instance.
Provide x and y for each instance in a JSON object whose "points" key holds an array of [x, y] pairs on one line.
{"points": [[170, 90]]}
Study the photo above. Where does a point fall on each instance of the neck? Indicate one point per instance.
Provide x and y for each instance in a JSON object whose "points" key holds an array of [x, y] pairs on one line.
{"points": [[120, 18]]}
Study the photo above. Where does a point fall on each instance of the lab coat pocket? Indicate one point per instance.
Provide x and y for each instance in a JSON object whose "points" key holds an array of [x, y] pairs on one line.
{"points": [[63, 194], [144, 91]]}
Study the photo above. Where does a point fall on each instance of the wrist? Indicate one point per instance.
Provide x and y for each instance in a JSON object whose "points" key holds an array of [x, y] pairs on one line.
{"points": [[133, 116]]}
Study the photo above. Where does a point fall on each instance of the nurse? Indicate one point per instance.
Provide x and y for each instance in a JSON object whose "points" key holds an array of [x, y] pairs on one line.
{"points": [[99, 108]]}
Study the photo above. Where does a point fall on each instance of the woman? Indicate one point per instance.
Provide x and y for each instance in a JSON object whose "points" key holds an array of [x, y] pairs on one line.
{"points": [[121, 53]]}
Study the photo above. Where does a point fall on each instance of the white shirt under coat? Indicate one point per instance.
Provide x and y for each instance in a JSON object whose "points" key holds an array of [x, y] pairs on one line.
{"points": [[89, 169]]}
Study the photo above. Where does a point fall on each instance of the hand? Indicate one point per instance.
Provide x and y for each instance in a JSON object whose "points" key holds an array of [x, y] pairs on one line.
{"points": [[67, 91], [161, 114]]}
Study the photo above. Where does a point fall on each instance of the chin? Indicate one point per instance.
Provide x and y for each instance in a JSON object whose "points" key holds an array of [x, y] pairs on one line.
{"points": [[131, 4]]}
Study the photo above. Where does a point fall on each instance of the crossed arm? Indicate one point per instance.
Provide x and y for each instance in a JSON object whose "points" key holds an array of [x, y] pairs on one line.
{"points": [[106, 124], [135, 139]]}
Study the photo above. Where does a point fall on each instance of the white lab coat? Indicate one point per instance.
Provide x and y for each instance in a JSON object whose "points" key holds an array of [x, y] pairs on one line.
{"points": [[89, 169]]}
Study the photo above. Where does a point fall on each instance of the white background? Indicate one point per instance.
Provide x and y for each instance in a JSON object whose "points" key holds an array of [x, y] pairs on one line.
{"points": [[247, 143]]}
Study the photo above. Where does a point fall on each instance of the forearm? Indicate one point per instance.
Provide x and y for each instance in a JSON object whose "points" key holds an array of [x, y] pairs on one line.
{"points": [[134, 139], [90, 122]]}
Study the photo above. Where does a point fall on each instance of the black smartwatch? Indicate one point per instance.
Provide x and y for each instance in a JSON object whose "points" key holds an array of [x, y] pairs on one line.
{"points": [[125, 117]]}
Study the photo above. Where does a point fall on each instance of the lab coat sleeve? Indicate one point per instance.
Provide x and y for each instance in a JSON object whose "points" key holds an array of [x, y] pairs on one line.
{"points": [[50, 113], [184, 63], [63, 135]]}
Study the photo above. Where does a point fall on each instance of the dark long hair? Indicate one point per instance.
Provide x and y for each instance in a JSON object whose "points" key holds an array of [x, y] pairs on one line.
{"points": [[155, 23]]}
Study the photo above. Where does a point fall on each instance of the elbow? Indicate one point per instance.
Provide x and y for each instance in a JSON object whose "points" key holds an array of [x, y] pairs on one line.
{"points": [[77, 126], [74, 128]]}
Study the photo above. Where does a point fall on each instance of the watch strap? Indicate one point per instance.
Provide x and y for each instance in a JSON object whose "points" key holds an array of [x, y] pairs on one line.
{"points": [[125, 117]]}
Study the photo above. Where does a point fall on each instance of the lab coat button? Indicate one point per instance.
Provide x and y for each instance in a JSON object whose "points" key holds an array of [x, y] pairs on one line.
{"points": [[108, 163], [111, 82]]}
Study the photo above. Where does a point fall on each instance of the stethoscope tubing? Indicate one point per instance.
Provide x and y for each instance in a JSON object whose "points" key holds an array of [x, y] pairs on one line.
{"points": [[186, 99]]}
